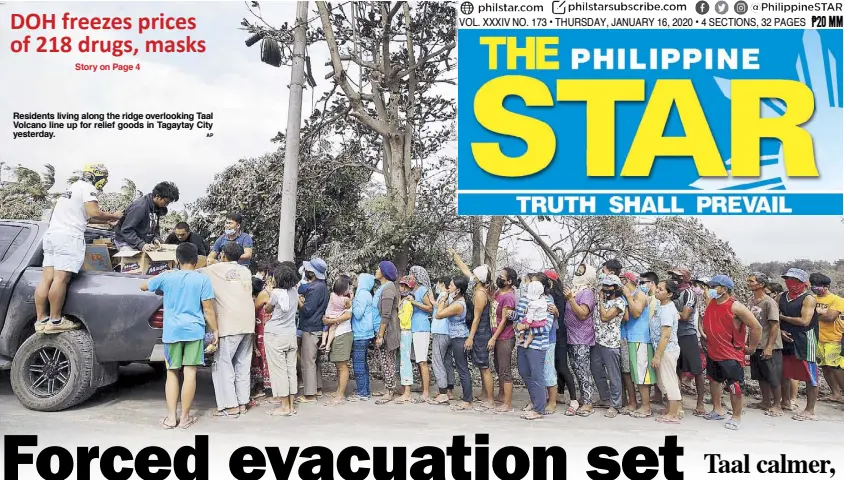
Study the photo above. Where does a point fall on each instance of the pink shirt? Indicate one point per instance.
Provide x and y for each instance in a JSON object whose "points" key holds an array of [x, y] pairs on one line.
{"points": [[505, 300]]}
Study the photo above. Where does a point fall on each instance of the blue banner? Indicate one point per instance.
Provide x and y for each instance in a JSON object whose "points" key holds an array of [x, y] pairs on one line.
{"points": [[733, 122]]}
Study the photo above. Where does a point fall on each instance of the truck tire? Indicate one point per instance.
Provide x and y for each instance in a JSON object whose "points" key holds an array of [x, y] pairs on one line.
{"points": [[54, 372]]}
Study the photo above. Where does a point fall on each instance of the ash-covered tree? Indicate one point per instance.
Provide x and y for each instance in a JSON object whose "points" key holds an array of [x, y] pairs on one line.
{"points": [[640, 244], [25, 193], [327, 208], [389, 62]]}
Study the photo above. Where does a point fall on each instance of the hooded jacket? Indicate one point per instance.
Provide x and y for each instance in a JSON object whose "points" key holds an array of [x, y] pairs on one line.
{"points": [[139, 224], [363, 309]]}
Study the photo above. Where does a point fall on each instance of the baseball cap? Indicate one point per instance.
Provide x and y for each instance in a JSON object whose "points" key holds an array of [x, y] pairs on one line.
{"points": [[551, 274], [631, 277], [797, 274], [722, 281], [611, 280], [407, 280]]}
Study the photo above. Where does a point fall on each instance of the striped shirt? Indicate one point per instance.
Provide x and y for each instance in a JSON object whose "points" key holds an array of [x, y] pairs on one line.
{"points": [[541, 335]]}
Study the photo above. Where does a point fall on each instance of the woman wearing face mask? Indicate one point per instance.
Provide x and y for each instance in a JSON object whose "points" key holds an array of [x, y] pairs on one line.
{"points": [[454, 309], [580, 303], [606, 356], [480, 332], [503, 341]]}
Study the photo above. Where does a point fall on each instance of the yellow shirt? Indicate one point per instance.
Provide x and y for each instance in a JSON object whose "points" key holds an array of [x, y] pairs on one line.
{"points": [[831, 331], [405, 313]]}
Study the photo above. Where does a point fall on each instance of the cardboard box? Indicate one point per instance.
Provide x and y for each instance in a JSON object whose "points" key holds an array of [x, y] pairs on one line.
{"points": [[104, 241], [151, 263], [97, 259], [147, 263]]}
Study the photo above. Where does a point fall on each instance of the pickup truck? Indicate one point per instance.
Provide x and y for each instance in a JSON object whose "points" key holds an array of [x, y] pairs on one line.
{"points": [[120, 325]]}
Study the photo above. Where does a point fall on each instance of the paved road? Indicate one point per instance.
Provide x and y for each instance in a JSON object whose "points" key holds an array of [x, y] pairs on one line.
{"points": [[127, 414]]}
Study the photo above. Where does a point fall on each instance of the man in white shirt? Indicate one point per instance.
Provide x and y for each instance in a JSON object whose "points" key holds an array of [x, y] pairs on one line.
{"points": [[64, 246], [235, 311]]}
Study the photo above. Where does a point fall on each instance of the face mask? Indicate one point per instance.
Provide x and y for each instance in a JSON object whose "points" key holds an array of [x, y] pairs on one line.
{"points": [[644, 288], [795, 287], [601, 276], [608, 293], [819, 290], [499, 283], [229, 231], [713, 293], [697, 290]]}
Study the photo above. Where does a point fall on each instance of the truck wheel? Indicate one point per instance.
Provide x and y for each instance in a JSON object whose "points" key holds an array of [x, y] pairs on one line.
{"points": [[53, 372]]}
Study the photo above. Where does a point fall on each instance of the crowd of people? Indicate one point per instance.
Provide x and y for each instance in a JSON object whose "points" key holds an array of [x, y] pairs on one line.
{"points": [[609, 337]]}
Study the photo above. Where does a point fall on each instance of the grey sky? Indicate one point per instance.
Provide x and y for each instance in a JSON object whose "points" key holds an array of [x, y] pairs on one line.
{"points": [[249, 102]]}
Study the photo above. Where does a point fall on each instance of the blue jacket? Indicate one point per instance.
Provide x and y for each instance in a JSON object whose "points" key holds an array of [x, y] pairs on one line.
{"points": [[363, 309], [316, 301]]}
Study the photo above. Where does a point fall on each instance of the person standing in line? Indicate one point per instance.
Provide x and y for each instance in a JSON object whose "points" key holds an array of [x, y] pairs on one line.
{"points": [[725, 326], [64, 246], [423, 305], [233, 233], [799, 324], [188, 308], [687, 333], [313, 302], [234, 309], [580, 303], [340, 347], [363, 329], [663, 332], [442, 356], [533, 340], [280, 339], [640, 374], [503, 340], [565, 378], [830, 325], [388, 341], [455, 311], [766, 361], [606, 355]]}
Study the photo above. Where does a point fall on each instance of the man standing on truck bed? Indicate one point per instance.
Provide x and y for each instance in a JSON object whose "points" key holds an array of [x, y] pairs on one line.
{"points": [[64, 246], [188, 307], [138, 228], [233, 233]]}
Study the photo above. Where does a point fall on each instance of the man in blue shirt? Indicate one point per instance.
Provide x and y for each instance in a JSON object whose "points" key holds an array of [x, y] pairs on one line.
{"points": [[312, 305], [188, 306], [233, 233]]}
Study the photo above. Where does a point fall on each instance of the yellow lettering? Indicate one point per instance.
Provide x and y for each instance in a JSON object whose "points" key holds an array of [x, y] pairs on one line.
{"points": [[493, 43], [748, 127], [543, 51], [600, 97], [491, 114], [528, 52], [650, 143]]}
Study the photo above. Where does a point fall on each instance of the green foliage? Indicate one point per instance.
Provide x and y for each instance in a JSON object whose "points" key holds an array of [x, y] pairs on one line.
{"points": [[24, 193]]}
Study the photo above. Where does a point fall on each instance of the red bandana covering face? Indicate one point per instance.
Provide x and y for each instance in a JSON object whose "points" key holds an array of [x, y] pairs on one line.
{"points": [[795, 287]]}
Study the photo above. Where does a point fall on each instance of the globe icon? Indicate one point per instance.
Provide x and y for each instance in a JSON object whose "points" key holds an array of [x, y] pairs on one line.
{"points": [[466, 8]]}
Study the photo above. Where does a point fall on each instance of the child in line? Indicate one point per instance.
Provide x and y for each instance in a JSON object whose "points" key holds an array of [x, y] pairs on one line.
{"points": [[537, 309], [406, 286], [188, 310], [338, 304]]}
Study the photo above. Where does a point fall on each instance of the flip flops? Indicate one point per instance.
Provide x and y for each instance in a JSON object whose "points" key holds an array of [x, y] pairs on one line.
{"points": [[672, 421], [432, 401], [611, 413], [163, 423], [188, 424], [800, 417], [774, 413], [222, 414], [585, 413], [571, 411], [713, 415], [638, 414], [732, 424]]}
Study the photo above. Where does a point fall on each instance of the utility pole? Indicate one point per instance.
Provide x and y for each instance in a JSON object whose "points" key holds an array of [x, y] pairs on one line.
{"points": [[287, 221]]}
